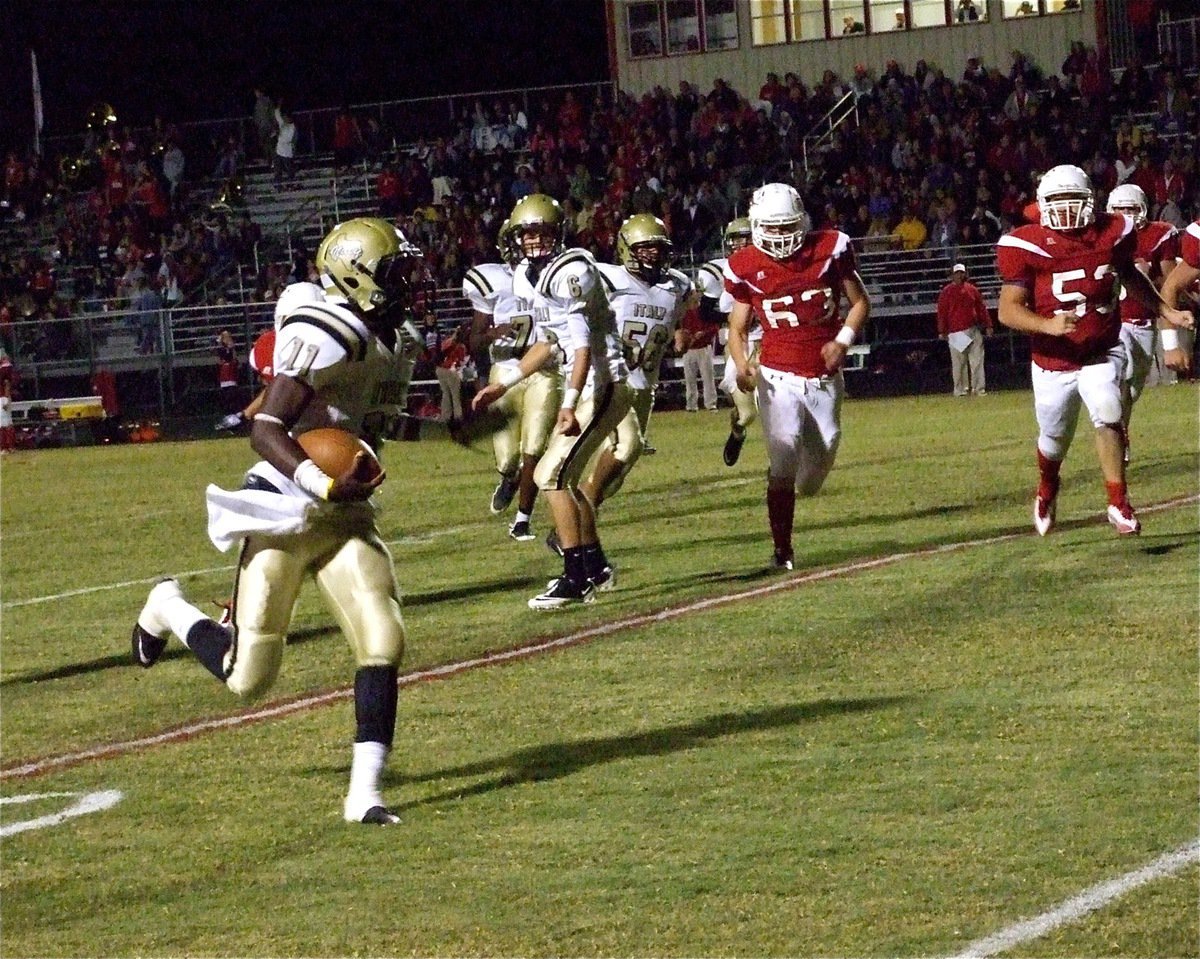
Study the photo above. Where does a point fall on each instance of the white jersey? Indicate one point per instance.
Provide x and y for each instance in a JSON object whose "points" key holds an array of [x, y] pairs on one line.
{"points": [[710, 281], [352, 371], [489, 287], [646, 315], [570, 311], [359, 383]]}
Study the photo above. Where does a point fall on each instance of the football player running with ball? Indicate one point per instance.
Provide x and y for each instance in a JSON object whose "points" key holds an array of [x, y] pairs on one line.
{"points": [[574, 328], [716, 303], [529, 408], [649, 299], [345, 362], [1058, 286], [792, 281]]}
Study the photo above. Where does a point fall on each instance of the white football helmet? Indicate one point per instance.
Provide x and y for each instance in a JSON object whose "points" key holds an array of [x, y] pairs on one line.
{"points": [[1065, 198], [1131, 199], [294, 295], [777, 220]]}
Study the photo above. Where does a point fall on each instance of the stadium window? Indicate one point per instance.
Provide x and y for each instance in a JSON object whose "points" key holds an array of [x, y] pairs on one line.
{"points": [[887, 16], [807, 21], [683, 27], [720, 25], [1064, 6], [970, 11], [928, 13], [768, 22], [1022, 8], [848, 17], [645, 29]]}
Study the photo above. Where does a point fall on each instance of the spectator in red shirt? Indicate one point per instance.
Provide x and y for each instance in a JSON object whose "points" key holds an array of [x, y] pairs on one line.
{"points": [[450, 379], [963, 320]]}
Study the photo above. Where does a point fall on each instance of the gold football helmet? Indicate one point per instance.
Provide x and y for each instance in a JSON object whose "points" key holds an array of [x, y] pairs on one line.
{"points": [[510, 251], [537, 229], [644, 247], [368, 261], [737, 234]]}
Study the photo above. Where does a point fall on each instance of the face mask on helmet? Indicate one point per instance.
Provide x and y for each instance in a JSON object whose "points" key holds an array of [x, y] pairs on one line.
{"points": [[644, 247], [368, 261], [1064, 198], [536, 229], [737, 235], [1130, 200], [777, 220]]}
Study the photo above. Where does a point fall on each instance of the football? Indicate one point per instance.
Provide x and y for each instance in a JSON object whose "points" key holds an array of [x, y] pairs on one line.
{"points": [[333, 450]]}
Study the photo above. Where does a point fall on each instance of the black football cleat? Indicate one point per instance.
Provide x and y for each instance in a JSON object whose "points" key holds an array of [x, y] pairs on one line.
{"points": [[521, 532], [379, 816], [783, 560], [733, 446], [150, 632], [503, 494], [561, 593], [604, 580]]}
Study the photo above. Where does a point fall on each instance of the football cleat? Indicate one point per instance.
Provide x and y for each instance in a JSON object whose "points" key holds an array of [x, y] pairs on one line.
{"points": [[379, 816], [503, 494], [605, 580], [520, 531], [733, 445], [553, 544], [562, 592], [649, 450], [1125, 520], [782, 560], [1043, 514], [150, 632]]}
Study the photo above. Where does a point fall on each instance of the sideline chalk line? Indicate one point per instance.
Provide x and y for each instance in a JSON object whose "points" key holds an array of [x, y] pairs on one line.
{"points": [[37, 767]]}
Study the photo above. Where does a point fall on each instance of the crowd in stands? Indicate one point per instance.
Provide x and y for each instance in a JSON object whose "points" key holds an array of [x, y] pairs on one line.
{"points": [[936, 159]]}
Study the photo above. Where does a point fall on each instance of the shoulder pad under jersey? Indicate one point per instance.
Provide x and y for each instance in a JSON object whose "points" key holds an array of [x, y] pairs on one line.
{"points": [[569, 276], [484, 282], [333, 332]]}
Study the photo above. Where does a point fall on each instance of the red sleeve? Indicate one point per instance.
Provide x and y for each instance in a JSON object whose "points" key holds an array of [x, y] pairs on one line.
{"points": [[941, 311]]}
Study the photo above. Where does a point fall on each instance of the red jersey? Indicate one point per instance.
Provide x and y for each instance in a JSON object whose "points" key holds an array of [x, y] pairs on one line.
{"points": [[1189, 245], [796, 300], [1156, 242], [1070, 271], [262, 356]]}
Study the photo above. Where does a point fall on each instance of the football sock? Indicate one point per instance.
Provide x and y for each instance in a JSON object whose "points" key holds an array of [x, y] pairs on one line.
{"points": [[1118, 494], [180, 616], [375, 696], [522, 517], [594, 559], [1048, 470], [366, 768], [573, 564], [210, 642], [781, 511]]}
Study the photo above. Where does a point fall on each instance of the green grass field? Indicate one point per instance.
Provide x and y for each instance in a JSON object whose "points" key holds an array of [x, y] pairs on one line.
{"points": [[962, 726]]}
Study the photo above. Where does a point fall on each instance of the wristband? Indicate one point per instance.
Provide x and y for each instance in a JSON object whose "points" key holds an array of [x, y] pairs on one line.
{"points": [[1170, 339], [511, 378], [266, 418], [311, 478], [845, 336], [570, 398]]}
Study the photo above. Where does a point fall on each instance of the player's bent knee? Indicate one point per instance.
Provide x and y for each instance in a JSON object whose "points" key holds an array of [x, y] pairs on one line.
{"points": [[1107, 412], [256, 663]]}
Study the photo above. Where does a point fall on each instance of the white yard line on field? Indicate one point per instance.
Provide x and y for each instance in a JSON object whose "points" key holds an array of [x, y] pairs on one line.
{"points": [[1079, 906], [39, 766], [414, 540]]}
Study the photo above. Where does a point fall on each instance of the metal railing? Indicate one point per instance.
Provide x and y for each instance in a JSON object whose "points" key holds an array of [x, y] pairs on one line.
{"points": [[903, 285], [1182, 39], [820, 134]]}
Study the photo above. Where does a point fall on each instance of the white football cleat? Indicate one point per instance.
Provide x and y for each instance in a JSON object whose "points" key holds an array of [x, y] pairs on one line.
{"points": [[560, 593], [1125, 520], [1043, 514]]}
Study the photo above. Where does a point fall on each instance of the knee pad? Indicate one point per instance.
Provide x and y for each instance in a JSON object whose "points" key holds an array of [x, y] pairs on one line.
{"points": [[381, 638], [1108, 411], [254, 663]]}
